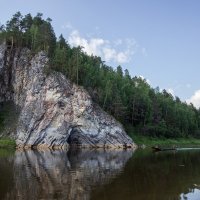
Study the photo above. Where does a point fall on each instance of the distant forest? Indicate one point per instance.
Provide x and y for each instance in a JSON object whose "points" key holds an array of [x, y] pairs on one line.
{"points": [[143, 110]]}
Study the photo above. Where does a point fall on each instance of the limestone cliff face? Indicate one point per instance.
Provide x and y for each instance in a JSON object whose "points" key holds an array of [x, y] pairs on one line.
{"points": [[54, 112]]}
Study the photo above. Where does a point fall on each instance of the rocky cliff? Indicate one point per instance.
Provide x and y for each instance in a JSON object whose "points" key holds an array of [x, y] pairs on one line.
{"points": [[53, 112]]}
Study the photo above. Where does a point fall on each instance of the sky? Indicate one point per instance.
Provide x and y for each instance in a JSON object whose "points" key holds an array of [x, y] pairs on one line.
{"points": [[158, 40]]}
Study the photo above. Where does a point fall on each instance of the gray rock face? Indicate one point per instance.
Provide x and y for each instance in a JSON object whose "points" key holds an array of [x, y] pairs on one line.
{"points": [[5, 72], [54, 112]]}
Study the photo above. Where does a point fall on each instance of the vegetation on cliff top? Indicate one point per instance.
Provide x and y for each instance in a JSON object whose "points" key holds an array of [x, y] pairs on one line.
{"points": [[131, 100]]}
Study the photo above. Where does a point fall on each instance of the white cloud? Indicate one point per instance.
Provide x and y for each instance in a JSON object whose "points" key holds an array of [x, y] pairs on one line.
{"points": [[122, 57], [195, 99], [142, 77], [92, 46], [171, 91], [104, 48], [109, 53], [147, 80]]}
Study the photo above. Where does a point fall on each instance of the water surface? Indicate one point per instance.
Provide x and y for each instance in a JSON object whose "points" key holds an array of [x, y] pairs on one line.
{"points": [[100, 175]]}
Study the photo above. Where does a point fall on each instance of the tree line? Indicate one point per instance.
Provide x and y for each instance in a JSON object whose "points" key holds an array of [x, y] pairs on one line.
{"points": [[34, 33], [131, 100]]}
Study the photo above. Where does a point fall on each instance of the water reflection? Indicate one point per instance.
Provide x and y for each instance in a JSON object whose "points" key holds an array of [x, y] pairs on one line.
{"points": [[160, 176], [62, 175], [6, 172], [194, 194], [97, 175]]}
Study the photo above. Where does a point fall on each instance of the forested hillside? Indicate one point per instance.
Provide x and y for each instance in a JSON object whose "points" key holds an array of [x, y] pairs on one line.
{"points": [[131, 100]]}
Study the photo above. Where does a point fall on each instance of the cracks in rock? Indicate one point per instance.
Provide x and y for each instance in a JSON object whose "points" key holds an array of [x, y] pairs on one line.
{"points": [[35, 126], [10, 54], [77, 139]]}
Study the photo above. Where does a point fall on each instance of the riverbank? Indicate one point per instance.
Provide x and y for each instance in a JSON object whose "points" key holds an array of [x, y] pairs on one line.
{"points": [[179, 142], [6, 143]]}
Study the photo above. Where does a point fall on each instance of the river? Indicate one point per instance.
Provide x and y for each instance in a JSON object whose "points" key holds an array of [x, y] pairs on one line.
{"points": [[100, 175]]}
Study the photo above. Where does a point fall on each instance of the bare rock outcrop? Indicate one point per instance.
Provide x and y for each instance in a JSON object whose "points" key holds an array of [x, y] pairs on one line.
{"points": [[53, 111]]}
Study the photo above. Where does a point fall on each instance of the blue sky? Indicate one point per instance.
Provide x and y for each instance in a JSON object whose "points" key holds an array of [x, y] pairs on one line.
{"points": [[156, 39]]}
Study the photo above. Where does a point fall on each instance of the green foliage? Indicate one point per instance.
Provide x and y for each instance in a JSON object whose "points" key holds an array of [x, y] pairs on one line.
{"points": [[8, 118], [33, 32], [6, 143], [131, 100], [178, 142]]}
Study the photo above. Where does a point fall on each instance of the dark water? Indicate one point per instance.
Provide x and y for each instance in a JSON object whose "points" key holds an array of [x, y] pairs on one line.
{"points": [[100, 175]]}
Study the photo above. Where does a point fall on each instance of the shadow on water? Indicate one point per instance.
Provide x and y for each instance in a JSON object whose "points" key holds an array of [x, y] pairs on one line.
{"points": [[100, 175]]}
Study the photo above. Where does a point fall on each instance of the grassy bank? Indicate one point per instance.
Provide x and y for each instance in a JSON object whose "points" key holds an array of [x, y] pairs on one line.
{"points": [[179, 142], [6, 143]]}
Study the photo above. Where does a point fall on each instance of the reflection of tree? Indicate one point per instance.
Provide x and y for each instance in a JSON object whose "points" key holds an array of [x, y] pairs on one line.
{"points": [[96, 175], [62, 175], [6, 173], [154, 177]]}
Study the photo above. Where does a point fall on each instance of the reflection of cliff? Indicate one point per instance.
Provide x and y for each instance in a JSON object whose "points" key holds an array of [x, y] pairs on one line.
{"points": [[61, 175]]}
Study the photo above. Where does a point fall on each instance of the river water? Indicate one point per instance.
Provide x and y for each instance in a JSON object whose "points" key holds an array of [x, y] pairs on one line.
{"points": [[100, 175]]}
